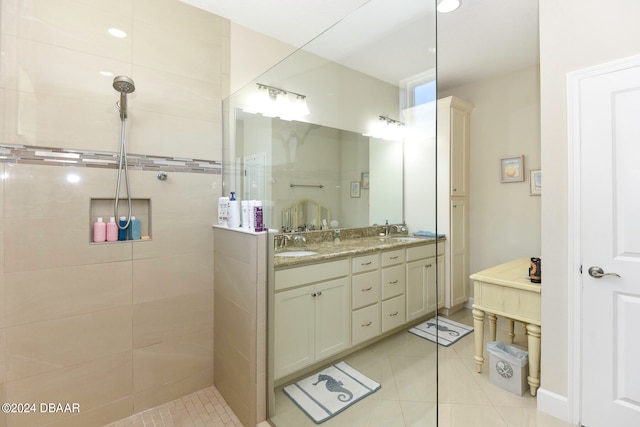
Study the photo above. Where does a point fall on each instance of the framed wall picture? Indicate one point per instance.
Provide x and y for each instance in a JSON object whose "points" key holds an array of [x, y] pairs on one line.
{"points": [[512, 169], [365, 180], [536, 182], [355, 189]]}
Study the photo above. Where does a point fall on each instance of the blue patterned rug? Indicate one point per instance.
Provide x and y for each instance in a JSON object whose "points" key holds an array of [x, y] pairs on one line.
{"points": [[330, 391], [443, 331]]}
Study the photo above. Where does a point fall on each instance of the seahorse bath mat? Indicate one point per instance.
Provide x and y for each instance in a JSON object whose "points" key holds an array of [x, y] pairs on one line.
{"points": [[447, 331], [330, 391]]}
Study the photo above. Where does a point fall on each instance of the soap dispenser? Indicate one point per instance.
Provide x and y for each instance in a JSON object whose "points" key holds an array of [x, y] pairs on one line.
{"points": [[234, 212]]}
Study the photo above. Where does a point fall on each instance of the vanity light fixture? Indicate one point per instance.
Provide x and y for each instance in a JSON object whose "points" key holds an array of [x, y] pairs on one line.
{"points": [[386, 128], [272, 101], [446, 6]]}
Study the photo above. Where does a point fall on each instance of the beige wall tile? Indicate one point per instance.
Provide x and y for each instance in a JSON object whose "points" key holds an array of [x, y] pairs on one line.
{"points": [[158, 395], [170, 361], [46, 346], [39, 295], [169, 277], [91, 385], [78, 26], [56, 242], [171, 318], [179, 55]]}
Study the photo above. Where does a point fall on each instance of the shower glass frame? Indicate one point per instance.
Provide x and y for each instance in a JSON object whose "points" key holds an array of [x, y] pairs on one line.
{"points": [[336, 100]]}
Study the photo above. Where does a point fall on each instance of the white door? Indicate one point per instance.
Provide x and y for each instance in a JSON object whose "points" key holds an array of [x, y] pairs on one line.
{"points": [[609, 138]]}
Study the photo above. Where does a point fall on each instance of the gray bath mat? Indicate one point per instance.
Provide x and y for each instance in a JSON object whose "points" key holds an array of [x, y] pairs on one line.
{"points": [[330, 391], [447, 331]]}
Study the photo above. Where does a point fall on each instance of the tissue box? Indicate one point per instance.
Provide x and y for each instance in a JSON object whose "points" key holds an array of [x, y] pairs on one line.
{"points": [[508, 367]]}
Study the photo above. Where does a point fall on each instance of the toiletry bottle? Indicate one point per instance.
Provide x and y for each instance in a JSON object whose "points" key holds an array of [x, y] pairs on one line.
{"points": [[122, 233], [259, 226], [245, 214], [336, 236], [99, 231], [223, 211], [252, 215], [134, 229], [112, 230], [234, 212]]}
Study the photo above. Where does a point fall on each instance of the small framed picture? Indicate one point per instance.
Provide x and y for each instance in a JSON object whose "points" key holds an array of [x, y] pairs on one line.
{"points": [[536, 182], [512, 169], [355, 189], [365, 180]]}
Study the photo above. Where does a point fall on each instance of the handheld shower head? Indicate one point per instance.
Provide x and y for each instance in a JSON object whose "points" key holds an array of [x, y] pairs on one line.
{"points": [[124, 85]]}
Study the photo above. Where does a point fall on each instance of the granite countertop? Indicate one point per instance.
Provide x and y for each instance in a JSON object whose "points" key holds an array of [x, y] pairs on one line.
{"points": [[347, 247]]}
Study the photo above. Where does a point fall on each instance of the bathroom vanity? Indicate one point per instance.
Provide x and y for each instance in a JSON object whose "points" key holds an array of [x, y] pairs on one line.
{"points": [[339, 297]]}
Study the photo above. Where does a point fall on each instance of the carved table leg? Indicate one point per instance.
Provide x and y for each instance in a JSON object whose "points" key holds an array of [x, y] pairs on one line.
{"points": [[478, 335], [533, 340], [493, 319], [512, 333]]}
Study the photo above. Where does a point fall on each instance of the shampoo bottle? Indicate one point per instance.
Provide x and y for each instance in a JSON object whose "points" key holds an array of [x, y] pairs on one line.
{"points": [[112, 230], [234, 212], [122, 232], [245, 214], [99, 231], [259, 225], [134, 229]]}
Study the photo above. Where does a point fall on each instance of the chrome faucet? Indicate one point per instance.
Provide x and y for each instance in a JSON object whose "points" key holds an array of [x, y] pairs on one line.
{"points": [[280, 240], [386, 228]]}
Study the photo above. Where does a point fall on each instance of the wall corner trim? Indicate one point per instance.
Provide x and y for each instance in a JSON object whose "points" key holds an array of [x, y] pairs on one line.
{"points": [[554, 404]]}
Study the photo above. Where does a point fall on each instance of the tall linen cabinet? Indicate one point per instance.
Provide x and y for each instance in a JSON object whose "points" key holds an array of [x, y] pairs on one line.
{"points": [[454, 129]]}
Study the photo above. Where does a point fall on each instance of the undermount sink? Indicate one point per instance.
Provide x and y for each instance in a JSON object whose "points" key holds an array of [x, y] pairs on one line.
{"points": [[407, 239], [296, 253]]}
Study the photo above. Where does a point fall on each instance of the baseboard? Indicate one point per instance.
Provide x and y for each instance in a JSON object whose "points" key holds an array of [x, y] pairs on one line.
{"points": [[554, 404]]}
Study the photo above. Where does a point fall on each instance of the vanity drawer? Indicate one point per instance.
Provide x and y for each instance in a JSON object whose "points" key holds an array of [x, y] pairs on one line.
{"points": [[393, 313], [420, 252], [297, 276], [365, 324], [365, 289], [393, 280], [393, 257], [365, 263]]}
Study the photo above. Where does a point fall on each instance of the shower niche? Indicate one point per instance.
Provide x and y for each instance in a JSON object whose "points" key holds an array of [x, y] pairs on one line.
{"points": [[103, 207]]}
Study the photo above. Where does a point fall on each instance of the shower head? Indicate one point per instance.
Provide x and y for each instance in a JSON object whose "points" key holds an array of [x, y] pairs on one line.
{"points": [[124, 85]]}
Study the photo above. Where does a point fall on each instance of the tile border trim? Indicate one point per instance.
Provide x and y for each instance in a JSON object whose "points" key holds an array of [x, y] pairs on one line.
{"points": [[49, 156]]}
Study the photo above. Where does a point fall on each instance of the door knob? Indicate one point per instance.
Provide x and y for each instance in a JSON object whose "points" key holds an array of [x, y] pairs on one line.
{"points": [[597, 272]]}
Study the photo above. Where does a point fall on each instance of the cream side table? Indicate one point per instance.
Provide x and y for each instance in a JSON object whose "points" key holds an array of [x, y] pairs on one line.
{"points": [[505, 291]]}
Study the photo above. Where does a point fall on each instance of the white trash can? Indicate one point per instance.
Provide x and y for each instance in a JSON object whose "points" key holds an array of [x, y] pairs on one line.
{"points": [[509, 367]]}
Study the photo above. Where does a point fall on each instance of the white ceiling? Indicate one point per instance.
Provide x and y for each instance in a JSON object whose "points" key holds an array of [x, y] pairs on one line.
{"points": [[483, 38]]}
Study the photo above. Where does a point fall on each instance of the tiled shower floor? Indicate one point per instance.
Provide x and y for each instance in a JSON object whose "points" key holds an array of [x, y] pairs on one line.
{"points": [[204, 408]]}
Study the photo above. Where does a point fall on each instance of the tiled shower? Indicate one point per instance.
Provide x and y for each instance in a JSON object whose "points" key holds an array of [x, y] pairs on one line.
{"points": [[114, 327]]}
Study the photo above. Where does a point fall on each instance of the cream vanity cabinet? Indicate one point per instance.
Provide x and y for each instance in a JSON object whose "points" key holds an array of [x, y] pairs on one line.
{"points": [[393, 284], [365, 298], [454, 130], [312, 315], [424, 273]]}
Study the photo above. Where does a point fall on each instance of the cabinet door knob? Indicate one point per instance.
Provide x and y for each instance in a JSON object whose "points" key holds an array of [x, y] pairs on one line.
{"points": [[368, 324], [314, 294], [319, 293]]}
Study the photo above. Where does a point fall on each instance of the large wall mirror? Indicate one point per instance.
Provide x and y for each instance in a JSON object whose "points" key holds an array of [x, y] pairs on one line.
{"points": [[319, 176]]}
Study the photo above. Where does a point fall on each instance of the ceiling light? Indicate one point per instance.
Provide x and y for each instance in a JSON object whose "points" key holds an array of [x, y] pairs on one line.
{"points": [[446, 6], [117, 33]]}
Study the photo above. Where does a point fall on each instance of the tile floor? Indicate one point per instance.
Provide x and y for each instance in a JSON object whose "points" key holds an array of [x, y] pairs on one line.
{"points": [[405, 366]]}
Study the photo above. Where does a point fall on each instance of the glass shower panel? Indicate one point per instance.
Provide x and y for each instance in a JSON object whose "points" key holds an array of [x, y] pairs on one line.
{"points": [[345, 122]]}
